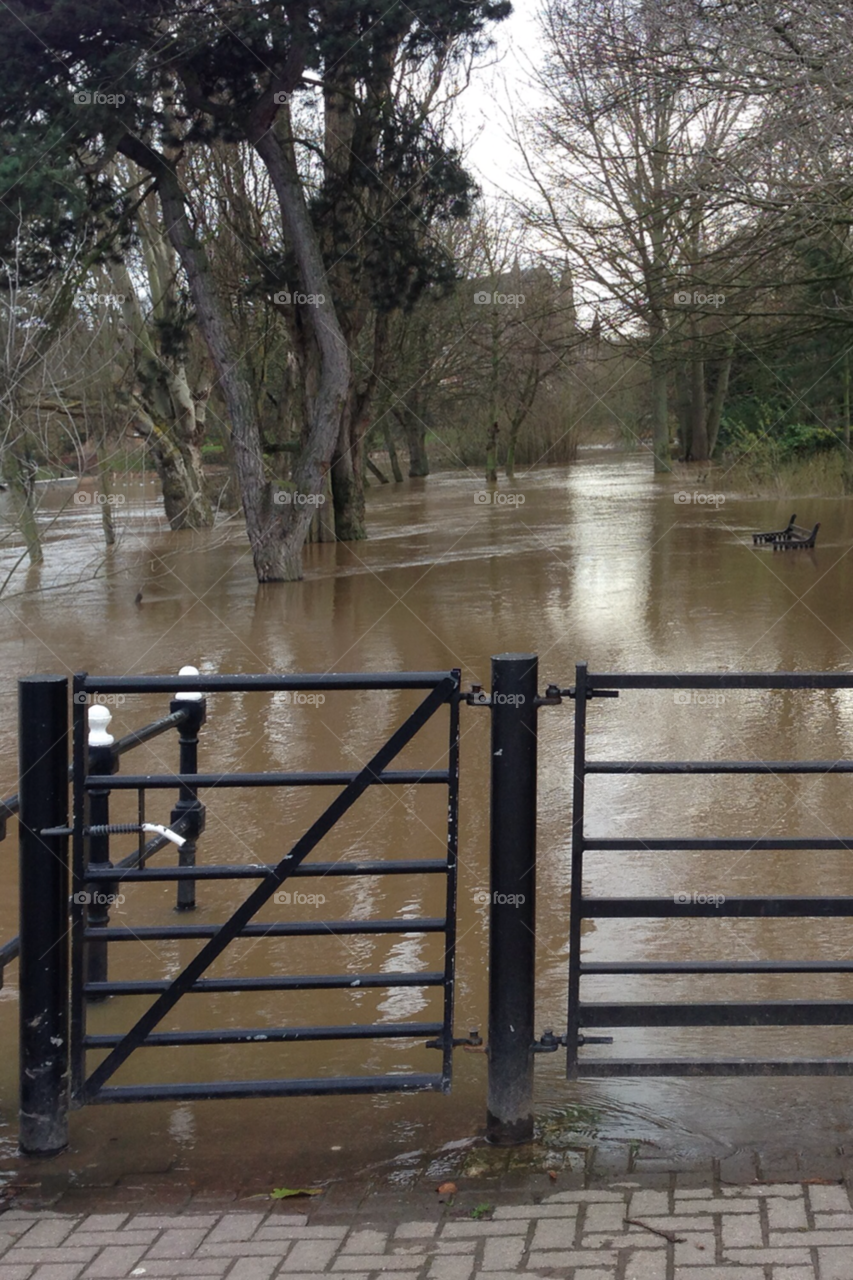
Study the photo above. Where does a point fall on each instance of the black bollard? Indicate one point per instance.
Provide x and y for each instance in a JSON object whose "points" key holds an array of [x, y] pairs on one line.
{"points": [[43, 791], [188, 801], [512, 910]]}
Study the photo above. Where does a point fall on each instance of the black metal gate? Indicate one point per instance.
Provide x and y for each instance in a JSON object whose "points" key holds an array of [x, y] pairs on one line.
{"points": [[587, 1016], [95, 880]]}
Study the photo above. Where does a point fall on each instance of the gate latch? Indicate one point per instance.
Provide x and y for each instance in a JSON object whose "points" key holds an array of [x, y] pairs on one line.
{"points": [[554, 695], [550, 1043]]}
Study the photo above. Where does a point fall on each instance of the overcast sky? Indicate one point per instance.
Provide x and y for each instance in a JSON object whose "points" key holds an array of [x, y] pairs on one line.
{"points": [[484, 105]]}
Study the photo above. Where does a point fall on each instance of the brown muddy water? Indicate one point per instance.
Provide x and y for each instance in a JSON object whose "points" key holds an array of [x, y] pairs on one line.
{"points": [[599, 563]]}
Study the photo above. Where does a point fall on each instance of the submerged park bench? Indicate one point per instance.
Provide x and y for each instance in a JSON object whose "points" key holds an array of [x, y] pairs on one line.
{"points": [[792, 537]]}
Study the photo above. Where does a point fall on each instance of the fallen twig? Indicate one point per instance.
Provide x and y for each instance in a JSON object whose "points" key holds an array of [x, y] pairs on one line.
{"points": [[667, 1235]]}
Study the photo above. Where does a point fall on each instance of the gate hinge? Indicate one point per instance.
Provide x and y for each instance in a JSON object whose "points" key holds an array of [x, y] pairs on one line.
{"points": [[554, 695], [473, 1038], [550, 1043], [477, 697]]}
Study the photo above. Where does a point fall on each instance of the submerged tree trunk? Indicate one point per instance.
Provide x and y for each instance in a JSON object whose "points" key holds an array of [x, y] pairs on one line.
{"points": [[415, 431], [660, 416], [492, 454], [19, 471], [715, 413], [392, 452]]}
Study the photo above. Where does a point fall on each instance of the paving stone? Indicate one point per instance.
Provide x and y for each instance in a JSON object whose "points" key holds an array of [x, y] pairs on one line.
{"points": [[793, 1189], [719, 1273], [253, 1269], [315, 1255], [415, 1230], [458, 1268], [103, 1221], [793, 1273], [794, 1239], [798, 1257], [604, 1217], [834, 1221], [632, 1239], [552, 1234], [115, 1261], [50, 1233], [451, 1230], [506, 1211], [504, 1253], [366, 1242], [85, 1239], [14, 1273], [786, 1214], [829, 1199], [283, 1232], [648, 1202], [374, 1262], [834, 1263], [584, 1197], [721, 1206], [646, 1266], [236, 1226], [179, 1221], [178, 1242], [57, 1271], [738, 1229], [572, 1258], [583, 1273], [695, 1249], [43, 1257], [181, 1267]]}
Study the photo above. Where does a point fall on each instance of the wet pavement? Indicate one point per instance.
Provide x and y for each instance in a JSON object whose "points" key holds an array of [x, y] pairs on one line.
{"points": [[602, 1214]]}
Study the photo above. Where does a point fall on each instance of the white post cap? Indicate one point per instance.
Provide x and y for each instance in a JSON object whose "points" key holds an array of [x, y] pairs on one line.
{"points": [[99, 718], [189, 697]]}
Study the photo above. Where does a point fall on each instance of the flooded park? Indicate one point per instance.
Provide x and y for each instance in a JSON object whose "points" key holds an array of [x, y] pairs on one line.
{"points": [[602, 562]]}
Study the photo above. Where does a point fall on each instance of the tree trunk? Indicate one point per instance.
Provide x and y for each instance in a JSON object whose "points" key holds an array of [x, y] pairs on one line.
{"points": [[392, 452], [660, 416], [105, 482], [415, 431], [348, 491], [19, 471], [276, 533], [685, 422], [715, 413], [492, 454]]}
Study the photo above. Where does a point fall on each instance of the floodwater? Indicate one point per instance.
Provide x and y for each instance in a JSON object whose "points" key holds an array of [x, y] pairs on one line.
{"points": [[600, 563]]}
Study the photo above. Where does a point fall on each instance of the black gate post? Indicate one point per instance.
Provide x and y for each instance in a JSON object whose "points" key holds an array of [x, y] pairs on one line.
{"points": [[512, 908], [195, 704], [43, 790]]}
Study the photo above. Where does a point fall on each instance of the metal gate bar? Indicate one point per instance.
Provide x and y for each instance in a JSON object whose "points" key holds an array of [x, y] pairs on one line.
{"points": [[583, 1014]]}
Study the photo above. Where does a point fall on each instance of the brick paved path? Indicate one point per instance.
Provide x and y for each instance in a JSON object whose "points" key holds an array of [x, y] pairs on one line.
{"points": [[775, 1231]]}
